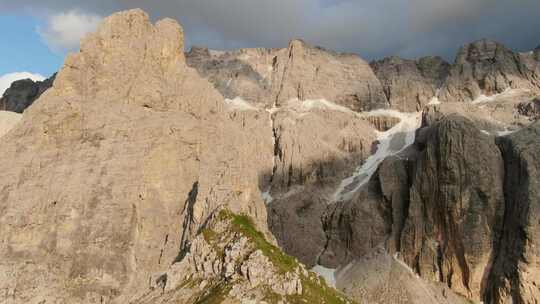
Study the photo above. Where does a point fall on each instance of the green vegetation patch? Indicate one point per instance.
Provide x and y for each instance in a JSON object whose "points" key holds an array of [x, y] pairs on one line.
{"points": [[244, 225], [315, 289]]}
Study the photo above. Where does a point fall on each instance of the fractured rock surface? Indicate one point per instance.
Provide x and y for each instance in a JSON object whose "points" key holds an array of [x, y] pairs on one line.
{"points": [[410, 84], [103, 186], [515, 277], [275, 76]]}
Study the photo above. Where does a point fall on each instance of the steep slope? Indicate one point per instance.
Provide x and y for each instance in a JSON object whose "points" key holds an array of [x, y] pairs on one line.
{"points": [[456, 206], [104, 185], [231, 262], [22, 93], [516, 270]]}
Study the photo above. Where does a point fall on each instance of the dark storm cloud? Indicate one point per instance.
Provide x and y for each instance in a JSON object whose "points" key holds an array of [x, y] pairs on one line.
{"points": [[371, 28]]}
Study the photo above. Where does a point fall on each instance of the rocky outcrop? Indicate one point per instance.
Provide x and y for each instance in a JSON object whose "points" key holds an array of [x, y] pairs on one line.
{"points": [[23, 93], [515, 275], [301, 71], [230, 261], [245, 73], [486, 68], [530, 109], [438, 206], [410, 84], [456, 206]]}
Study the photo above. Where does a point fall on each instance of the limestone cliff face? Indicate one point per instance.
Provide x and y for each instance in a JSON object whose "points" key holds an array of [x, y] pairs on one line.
{"points": [[301, 71], [456, 206], [113, 170], [410, 84], [515, 275]]}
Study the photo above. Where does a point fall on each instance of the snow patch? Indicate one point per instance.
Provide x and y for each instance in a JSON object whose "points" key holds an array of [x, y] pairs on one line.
{"points": [[485, 132], [239, 104], [8, 79], [328, 274], [391, 142], [505, 132], [311, 104], [485, 99]]}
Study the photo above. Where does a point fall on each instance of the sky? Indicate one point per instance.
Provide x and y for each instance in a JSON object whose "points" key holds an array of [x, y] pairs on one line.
{"points": [[36, 35]]}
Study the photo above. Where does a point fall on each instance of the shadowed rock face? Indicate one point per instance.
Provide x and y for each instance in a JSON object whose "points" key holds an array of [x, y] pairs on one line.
{"points": [[275, 76], [22, 93], [515, 277], [485, 68], [408, 84], [456, 206]]}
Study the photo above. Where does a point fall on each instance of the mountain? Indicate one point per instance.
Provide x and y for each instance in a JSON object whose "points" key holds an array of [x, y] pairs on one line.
{"points": [[299, 175], [22, 93]]}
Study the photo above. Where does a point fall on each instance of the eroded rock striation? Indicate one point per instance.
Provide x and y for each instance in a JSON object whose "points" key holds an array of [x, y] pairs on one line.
{"points": [[104, 186], [515, 274], [300, 71], [411, 84]]}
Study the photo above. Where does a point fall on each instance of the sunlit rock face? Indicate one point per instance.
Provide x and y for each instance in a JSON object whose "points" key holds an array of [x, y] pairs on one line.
{"points": [[112, 171]]}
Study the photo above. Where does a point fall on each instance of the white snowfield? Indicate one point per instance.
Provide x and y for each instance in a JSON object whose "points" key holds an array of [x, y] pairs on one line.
{"points": [[239, 104], [391, 142], [506, 93], [7, 121]]}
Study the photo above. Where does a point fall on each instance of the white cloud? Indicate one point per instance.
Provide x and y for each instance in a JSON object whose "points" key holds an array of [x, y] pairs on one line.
{"points": [[8, 79], [64, 31]]}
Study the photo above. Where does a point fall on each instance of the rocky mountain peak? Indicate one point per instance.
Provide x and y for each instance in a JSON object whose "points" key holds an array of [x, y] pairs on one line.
{"points": [[482, 50], [485, 68], [125, 49], [410, 84], [22, 93]]}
